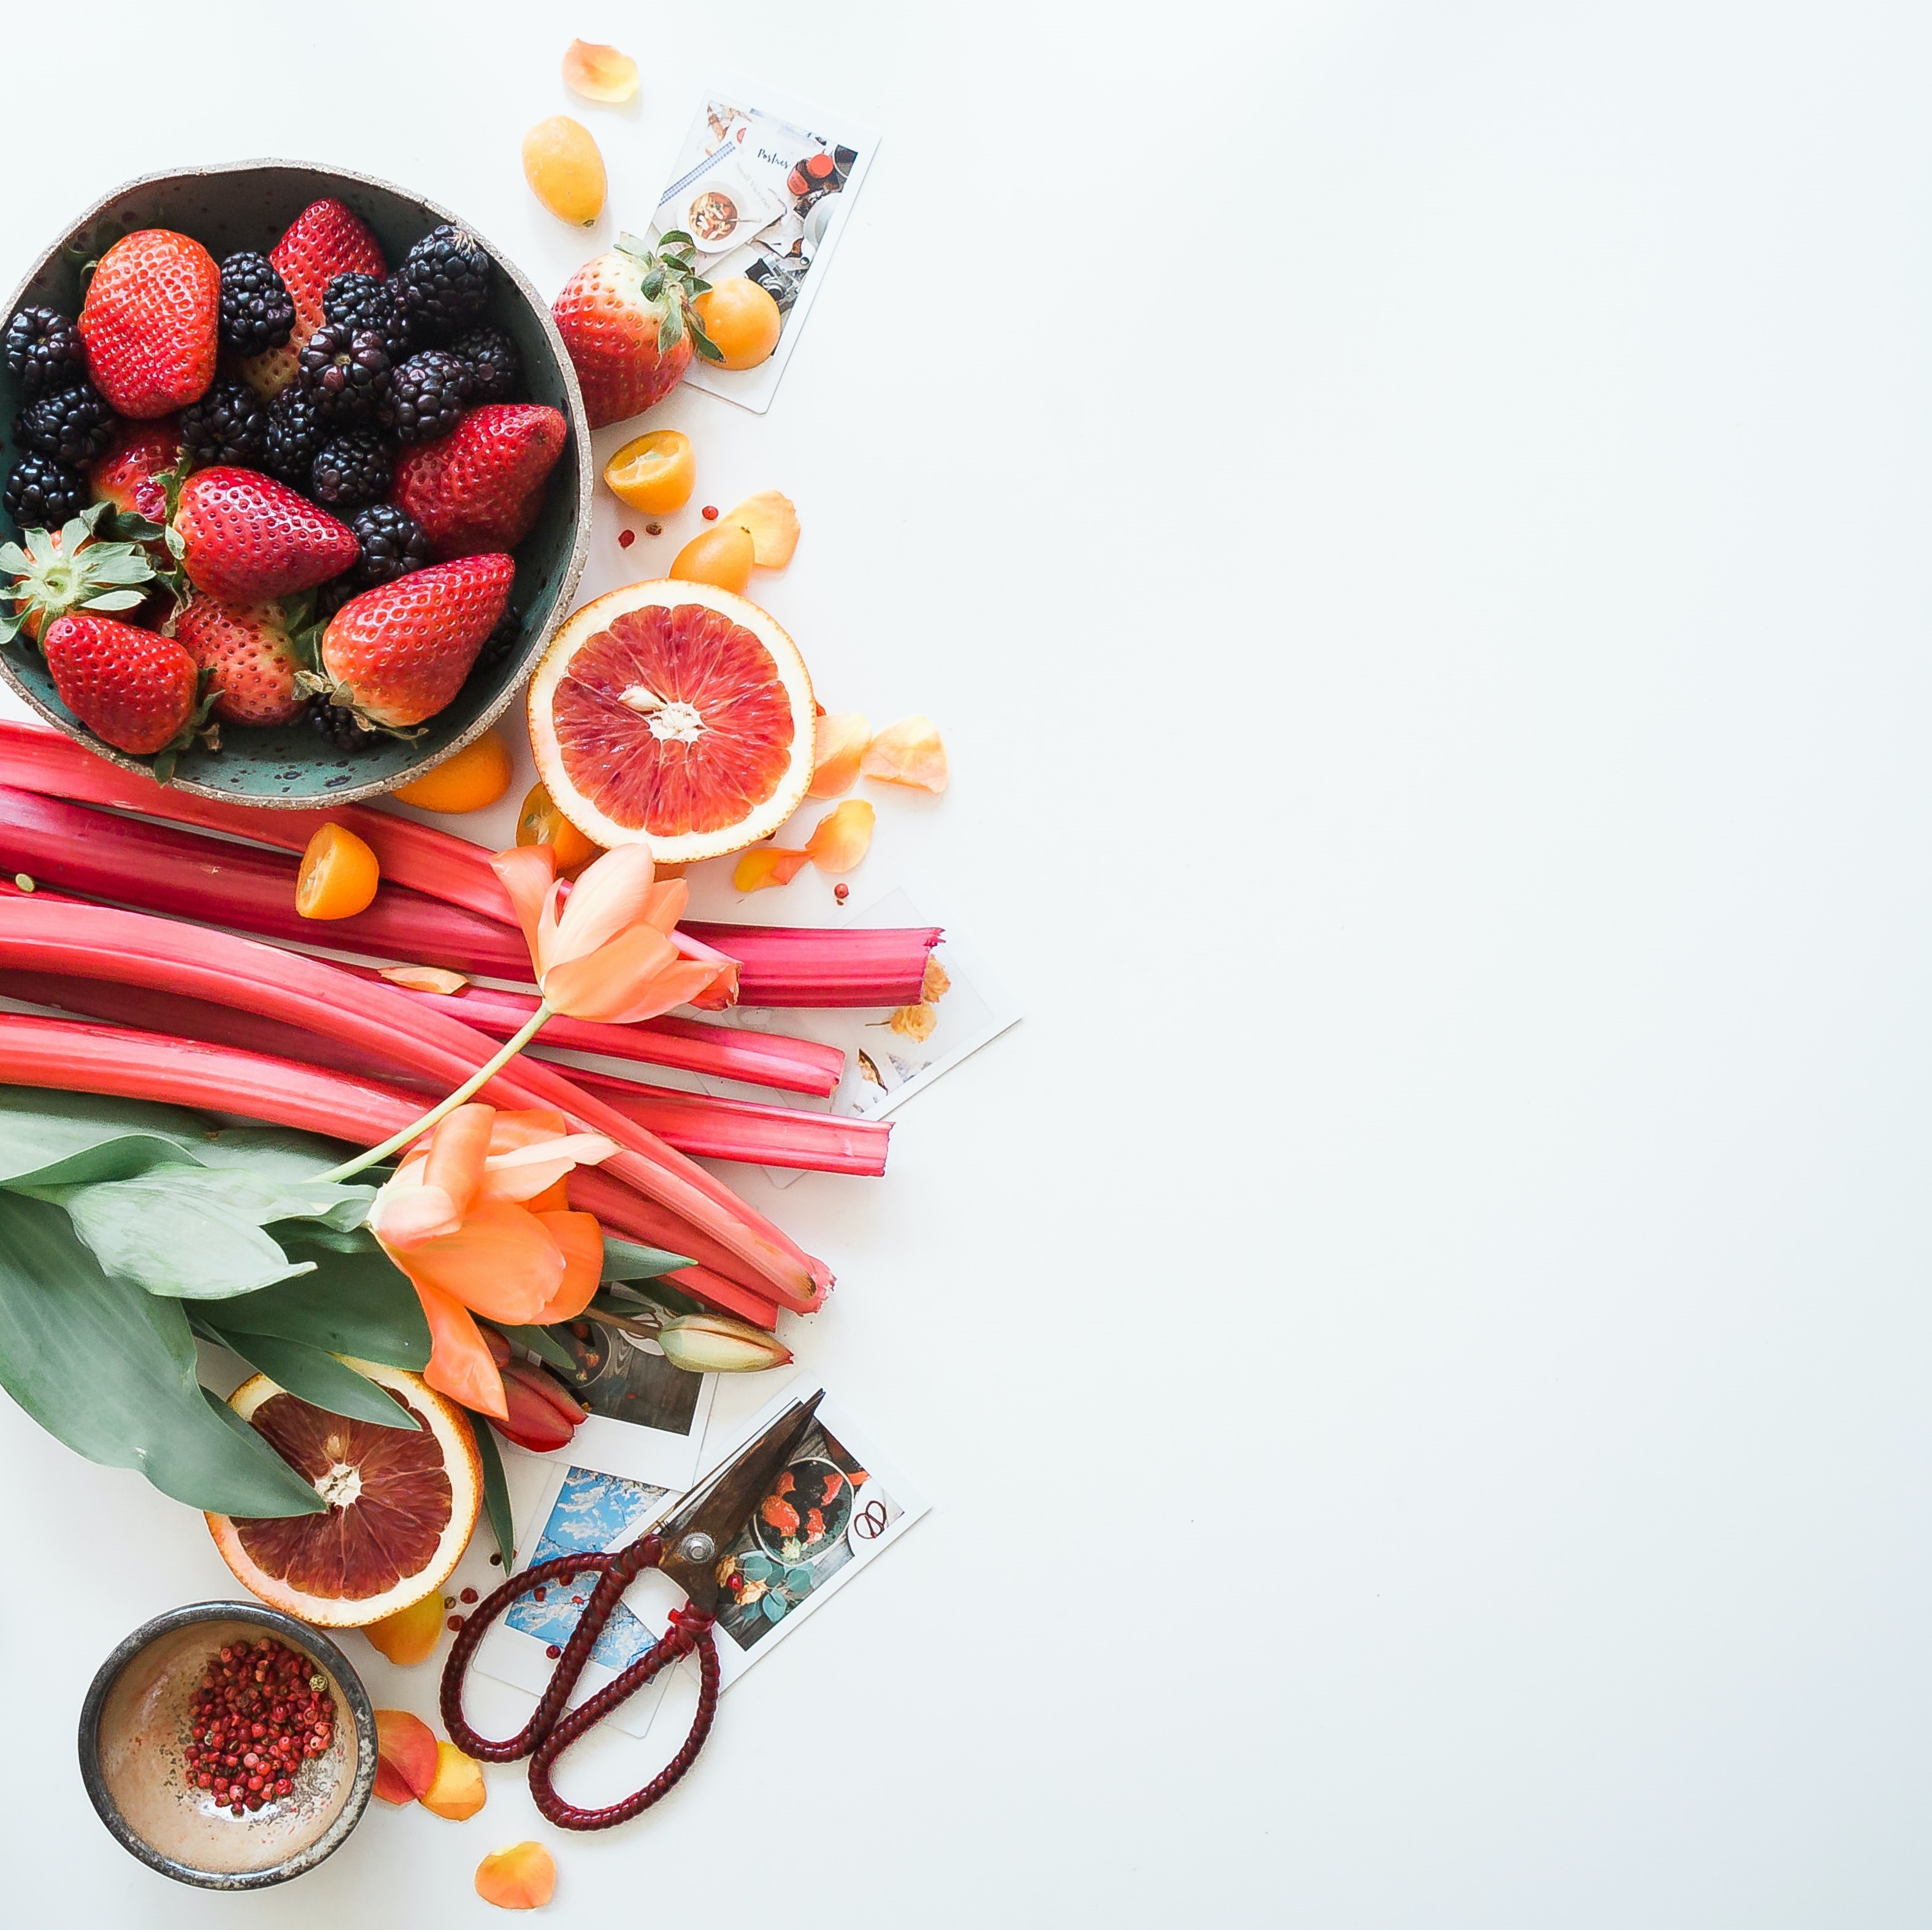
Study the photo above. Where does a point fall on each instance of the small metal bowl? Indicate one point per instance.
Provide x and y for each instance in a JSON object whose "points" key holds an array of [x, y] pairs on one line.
{"points": [[134, 1722], [246, 205]]}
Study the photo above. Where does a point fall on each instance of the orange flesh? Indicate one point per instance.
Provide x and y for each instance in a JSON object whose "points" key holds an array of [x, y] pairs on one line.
{"points": [[338, 877], [540, 822], [390, 1530], [705, 737]]}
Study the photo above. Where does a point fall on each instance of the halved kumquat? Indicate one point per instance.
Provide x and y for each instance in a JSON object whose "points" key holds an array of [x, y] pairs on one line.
{"points": [[338, 877]]}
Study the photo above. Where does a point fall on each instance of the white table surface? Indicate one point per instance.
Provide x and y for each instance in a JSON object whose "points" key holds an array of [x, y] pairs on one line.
{"points": [[1419, 1342]]}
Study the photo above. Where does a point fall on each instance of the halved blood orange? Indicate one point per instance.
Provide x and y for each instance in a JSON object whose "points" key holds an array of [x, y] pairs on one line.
{"points": [[401, 1504], [673, 714]]}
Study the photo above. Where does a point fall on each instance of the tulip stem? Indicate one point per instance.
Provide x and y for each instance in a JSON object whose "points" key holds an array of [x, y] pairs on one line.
{"points": [[474, 1084]]}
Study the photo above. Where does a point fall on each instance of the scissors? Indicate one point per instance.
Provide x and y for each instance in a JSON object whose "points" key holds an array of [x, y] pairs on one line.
{"points": [[685, 1546]]}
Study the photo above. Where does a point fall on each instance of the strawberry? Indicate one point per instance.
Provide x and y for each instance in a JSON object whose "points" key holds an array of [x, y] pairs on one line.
{"points": [[72, 568], [399, 652], [245, 538], [325, 240], [149, 322], [129, 475], [627, 320], [251, 653], [135, 688], [481, 487]]}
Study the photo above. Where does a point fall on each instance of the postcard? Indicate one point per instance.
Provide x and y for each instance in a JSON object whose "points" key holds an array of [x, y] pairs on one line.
{"points": [[763, 187]]}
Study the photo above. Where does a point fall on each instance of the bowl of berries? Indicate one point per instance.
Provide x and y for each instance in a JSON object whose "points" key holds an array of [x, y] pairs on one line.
{"points": [[297, 486]]}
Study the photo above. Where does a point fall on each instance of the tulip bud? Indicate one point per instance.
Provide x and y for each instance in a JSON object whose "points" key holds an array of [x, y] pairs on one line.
{"points": [[715, 1343]]}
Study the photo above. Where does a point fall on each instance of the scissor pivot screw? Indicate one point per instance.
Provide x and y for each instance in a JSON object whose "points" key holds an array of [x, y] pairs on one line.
{"points": [[698, 1547]]}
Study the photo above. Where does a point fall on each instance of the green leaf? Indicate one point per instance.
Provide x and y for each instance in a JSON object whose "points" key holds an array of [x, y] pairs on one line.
{"points": [[197, 1233], [319, 1377], [359, 1304], [625, 1259], [116, 599], [538, 1340], [495, 1489], [109, 1370], [52, 1138]]}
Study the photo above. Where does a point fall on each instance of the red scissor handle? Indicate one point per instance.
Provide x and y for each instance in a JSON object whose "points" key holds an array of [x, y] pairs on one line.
{"points": [[550, 1732]]}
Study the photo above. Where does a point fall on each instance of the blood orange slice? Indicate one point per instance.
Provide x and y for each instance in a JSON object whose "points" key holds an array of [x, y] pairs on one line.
{"points": [[401, 1504], [673, 714]]}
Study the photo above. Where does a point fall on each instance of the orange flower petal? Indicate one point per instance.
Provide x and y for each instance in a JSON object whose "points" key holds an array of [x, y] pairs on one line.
{"points": [[457, 1148], [580, 1240], [764, 866], [501, 1263], [624, 979], [608, 898], [523, 1876], [843, 836], [512, 1130], [527, 873], [457, 1791], [914, 1022], [907, 752], [425, 978], [665, 903], [769, 519], [460, 1364], [405, 1754], [553, 1200], [529, 1170], [406, 1213], [935, 985], [840, 743], [599, 73]]}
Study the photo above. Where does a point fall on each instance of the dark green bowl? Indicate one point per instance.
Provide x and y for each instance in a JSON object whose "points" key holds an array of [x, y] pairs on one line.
{"points": [[247, 204]]}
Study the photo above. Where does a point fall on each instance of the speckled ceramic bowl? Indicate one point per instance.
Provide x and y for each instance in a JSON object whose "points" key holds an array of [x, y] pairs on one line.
{"points": [[134, 1724], [247, 204]]}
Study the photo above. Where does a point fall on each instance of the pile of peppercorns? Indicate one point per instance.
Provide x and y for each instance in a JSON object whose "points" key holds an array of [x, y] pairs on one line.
{"points": [[261, 1712]]}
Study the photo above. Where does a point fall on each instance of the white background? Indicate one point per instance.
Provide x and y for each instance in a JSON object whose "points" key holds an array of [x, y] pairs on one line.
{"points": [[1412, 520]]}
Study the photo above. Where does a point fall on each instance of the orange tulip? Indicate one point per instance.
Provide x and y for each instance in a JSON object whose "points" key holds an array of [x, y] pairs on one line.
{"points": [[601, 947], [476, 1217]]}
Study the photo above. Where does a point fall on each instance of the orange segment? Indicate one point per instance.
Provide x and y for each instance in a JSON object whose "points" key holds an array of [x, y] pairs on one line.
{"points": [[401, 1504], [338, 877], [722, 555], [471, 780], [655, 473], [540, 822], [676, 716]]}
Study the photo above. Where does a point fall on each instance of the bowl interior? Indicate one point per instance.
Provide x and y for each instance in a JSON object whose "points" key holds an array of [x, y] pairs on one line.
{"points": [[136, 1722], [248, 206]]}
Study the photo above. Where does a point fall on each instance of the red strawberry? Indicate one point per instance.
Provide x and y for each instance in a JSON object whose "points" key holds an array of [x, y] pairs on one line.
{"points": [[399, 652], [253, 659], [325, 240], [245, 538], [630, 349], [134, 688], [129, 475], [481, 487], [149, 322]]}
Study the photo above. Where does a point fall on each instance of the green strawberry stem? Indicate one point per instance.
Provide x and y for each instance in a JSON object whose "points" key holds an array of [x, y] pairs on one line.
{"points": [[470, 1086]]}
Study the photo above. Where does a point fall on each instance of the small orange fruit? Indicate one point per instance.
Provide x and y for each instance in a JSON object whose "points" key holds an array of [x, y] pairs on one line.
{"points": [[742, 319], [338, 877], [722, 557], [540, 822], [655, 474], [475, 777], [565, 169]]}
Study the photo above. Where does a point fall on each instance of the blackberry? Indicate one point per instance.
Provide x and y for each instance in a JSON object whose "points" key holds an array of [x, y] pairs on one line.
{"points": [[257, 311], [295, 431], [499, 644], [43, 352], [393, 543], [347, 369], [445, 281], [363, 302], [426, 397], [74, 425], [229, 424], [333, 594], [43, 493], [495, 368], [336, 725], [351, 470]]}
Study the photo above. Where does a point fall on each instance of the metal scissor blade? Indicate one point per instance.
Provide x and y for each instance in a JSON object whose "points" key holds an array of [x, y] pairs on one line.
{"points": [[697, 1532]]}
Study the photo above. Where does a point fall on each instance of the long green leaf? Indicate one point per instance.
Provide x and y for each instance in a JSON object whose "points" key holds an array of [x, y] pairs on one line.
{"points": [[496, 1490], [315, 1375], [540, 1342], [625, 1259], [55, 1139], [358, 1303], [110, 1370]]}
